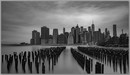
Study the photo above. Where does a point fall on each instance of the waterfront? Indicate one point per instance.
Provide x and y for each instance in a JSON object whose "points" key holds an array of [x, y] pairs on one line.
{"points": [[65, 64]]}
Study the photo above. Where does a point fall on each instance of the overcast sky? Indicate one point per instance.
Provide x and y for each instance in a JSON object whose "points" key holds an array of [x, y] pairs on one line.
{"points": [[20, 18]]}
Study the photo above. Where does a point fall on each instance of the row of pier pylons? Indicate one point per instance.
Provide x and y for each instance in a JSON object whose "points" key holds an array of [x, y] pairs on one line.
{"points": [[86, 63], [33, 57], [117, 57]]}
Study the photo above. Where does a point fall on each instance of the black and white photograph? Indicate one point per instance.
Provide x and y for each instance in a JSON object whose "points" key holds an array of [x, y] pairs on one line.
{"points": [[65, 37]]}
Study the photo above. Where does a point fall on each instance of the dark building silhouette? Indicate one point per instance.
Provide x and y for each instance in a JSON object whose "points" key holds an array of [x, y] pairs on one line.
{"points": [[73, 31], [81, 29], [50, 39], [123, 39], [44, 35], [93, 30], [77, 34], [66, 37], [55, 36], [61, 39], [70, 38], [114, 30], [89, 35], [80, 35], [35, 38]]}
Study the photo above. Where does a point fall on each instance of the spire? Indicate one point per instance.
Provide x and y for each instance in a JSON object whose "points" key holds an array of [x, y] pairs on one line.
{"points": [[122, 31], [77, 26], [92, 21]]}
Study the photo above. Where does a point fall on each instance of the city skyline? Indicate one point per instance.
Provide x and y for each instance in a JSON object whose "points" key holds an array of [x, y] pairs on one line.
{"points": [[18, 25]]}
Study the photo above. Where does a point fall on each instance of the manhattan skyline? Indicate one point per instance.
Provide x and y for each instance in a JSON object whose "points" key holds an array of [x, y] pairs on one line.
{"points": [[20, 18]]}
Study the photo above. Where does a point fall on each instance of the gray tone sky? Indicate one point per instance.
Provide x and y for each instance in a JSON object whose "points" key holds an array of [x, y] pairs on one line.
{"points": [[19, 18]]}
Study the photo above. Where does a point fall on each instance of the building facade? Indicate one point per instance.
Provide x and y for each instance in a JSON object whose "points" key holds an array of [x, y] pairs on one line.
{"points": [[55, 36], [44, 35], [35, 40]]}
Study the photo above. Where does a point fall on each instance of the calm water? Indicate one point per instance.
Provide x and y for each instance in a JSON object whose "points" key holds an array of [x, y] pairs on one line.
{"points": [[66, 63]]}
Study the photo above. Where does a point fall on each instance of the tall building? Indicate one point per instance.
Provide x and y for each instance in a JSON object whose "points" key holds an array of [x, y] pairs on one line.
{"points": [[61, 39], [66, 37], [99, 38], [84, 37], [70, 38], [89, 34], [50, 39], [55, 36], [82, 29], [44, 35], [93, 27], [77, 33], [106, 32], [73, 31], [63, 30], [89, 37], [96, 35], [93, 30], [81, 38], [35, 38], [89, 29], [114, 30], [99, 30]]}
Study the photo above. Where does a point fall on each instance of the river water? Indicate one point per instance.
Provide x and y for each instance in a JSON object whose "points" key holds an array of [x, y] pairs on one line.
{"points": [[66, 63]]}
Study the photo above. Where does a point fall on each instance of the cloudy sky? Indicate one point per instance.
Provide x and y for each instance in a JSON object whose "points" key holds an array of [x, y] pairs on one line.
{"points": [[18, 19]]}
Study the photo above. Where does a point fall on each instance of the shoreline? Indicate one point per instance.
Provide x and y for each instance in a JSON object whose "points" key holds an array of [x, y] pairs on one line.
{"points": [[125, 48]]}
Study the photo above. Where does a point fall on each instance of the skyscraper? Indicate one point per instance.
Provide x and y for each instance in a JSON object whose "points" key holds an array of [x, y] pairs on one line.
{"points": [[114, 30], [99, 38], [73, 31], [55, 36], [93, 30], [106, 31], [99, 30], [77, 33], [61, 39], [89, 34], [89, 29], [84, 37], [50, 39], [93, 27], [44, 35], [81, 28], [70, 38], [35, 38], [66, 36]]}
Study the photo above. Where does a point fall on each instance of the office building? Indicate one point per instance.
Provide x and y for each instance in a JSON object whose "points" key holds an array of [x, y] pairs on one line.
{"points": [[81, 29], [73, 31], [114, 31], [55, 36], [70, 39], [35, 38], [44, 35], [61, 39], [50, 39], [77, 34]]}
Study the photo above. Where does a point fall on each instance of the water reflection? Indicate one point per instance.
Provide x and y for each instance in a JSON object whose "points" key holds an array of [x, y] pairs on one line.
{"points": [[119, 58]]}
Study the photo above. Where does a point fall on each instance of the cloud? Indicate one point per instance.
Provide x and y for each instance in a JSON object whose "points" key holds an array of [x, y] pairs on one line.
{"points": [[19, 18]]}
